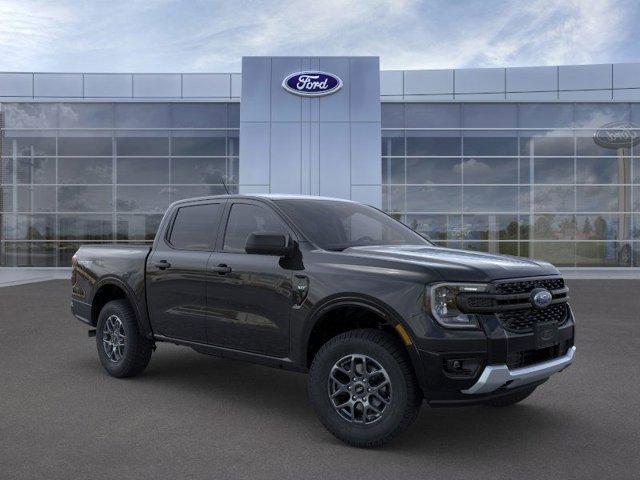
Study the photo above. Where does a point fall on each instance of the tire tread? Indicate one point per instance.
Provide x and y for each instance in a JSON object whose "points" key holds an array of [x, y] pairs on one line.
{"points": [[140, 348], [392, 346]]}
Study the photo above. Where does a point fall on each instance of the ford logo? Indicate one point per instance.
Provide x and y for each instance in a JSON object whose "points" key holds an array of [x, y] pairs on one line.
{"points": [[541, 298], [617, 135], [547, 334], [312, 84]]}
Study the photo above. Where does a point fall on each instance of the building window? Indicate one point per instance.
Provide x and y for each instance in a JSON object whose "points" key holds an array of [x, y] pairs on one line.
{"points": [[524, 179], [74, 173]]}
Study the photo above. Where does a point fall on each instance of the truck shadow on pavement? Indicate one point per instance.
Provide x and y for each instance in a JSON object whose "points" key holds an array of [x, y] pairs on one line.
{"points": [[257, 391]]}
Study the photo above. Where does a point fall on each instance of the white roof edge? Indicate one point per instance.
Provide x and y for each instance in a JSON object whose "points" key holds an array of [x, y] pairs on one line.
{"points": [[284, 196], [17, 72], [504, 67]]}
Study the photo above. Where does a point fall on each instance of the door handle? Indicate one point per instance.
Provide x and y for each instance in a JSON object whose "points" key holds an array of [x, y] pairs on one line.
{"points": [[162, 264], [221, 269]]}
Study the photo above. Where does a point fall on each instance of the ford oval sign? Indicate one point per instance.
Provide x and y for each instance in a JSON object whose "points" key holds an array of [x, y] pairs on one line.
{"points": [[617, 135], [312, 84]]}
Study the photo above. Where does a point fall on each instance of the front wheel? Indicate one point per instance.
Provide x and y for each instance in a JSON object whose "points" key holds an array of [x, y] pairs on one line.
{"points": [[363, 388], [122, 350]]}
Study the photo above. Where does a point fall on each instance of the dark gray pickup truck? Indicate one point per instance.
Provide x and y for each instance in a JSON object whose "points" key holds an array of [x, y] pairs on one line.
{"points": [[380, 317]]}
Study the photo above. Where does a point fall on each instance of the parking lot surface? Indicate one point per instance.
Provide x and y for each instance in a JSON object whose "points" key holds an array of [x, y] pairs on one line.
{"points": [[194, 416]]}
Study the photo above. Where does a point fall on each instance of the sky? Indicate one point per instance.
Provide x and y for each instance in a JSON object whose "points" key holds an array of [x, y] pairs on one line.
{"points": [[212, 36]]}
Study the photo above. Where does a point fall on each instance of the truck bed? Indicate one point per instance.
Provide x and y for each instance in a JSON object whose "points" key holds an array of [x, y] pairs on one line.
{"points": [[99, 264]]}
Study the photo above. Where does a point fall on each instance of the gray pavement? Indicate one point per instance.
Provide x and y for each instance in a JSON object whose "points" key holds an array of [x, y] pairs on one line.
{"points": [[194, 416]]}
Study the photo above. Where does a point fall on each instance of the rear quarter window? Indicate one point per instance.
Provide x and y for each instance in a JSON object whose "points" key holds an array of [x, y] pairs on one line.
{"points": [[195, 227]]}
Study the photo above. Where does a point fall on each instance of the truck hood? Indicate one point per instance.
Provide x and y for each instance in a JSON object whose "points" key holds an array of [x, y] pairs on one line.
{"points": [[459, 265]]}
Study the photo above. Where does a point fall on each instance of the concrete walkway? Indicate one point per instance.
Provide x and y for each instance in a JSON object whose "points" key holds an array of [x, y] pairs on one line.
{"points": [[10, 276], [601, 273]]}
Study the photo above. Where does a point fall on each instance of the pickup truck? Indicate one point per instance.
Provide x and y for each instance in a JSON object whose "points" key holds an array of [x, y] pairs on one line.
{"points": [[381, 318]]}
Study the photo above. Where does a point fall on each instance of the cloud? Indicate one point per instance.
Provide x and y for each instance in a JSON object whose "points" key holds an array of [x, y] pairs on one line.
{"points": [[552, 33], [538, 32], [26, 31], [169, 36]]}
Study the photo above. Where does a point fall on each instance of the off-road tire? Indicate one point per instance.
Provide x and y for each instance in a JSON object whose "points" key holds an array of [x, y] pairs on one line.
{"points": [[406, 396], [512, 399], [137, 349]]}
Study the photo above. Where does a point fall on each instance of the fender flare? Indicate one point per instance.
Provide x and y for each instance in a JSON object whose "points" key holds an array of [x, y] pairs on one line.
{"points": [[141, 317], [372, 304]]}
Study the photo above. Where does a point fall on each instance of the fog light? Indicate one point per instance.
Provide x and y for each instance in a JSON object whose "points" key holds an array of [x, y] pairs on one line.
{"points": [[461, 367]]}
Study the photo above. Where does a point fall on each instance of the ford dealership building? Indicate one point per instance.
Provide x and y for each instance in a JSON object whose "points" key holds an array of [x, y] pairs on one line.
{"points": [[539, 162]]}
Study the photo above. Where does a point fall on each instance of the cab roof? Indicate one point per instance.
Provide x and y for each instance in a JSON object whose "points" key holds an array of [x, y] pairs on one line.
{"points": [[267, 196]]}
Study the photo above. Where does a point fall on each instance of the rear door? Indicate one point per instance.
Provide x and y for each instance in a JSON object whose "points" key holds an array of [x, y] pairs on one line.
{"points": [[249, 297], [177, 271]]}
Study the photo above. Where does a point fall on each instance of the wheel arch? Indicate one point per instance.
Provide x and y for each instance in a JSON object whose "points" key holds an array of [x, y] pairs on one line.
{"points": [[111, 288], [343, 313]]}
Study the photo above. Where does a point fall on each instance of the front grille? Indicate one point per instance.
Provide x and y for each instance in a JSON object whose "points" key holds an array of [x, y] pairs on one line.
{"points": [[525, 286], [521, 321], [510, 301]]}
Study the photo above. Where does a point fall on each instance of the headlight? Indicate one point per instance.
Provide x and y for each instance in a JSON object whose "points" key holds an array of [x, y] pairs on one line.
{"points": [[444, 307]]}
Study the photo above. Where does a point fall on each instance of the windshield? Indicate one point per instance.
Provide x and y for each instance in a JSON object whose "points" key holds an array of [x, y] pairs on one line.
{"points": [[335, 225]]}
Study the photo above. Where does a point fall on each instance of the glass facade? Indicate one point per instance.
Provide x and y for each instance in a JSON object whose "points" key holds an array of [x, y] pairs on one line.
{"points": [[523, 179], [76, 173]]}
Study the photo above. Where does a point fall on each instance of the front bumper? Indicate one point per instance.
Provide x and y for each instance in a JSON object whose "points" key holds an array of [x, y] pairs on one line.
{"points": [[494, 377], [494, 348]]}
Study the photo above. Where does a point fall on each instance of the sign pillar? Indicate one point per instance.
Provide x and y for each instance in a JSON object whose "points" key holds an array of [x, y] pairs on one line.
{"points": [[311, 125]]}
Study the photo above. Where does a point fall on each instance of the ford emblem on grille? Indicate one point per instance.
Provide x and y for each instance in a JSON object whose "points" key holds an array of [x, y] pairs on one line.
{"points": [[541, 298], [312, 83]]}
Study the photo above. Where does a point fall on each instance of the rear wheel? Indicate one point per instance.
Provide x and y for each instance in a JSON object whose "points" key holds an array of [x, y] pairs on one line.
{"points": [[512, 399], [363, 388], [122, 350]]}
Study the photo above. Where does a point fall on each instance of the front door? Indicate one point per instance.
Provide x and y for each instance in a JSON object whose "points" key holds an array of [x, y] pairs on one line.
{"points": [[249, 297], [177, 272]]}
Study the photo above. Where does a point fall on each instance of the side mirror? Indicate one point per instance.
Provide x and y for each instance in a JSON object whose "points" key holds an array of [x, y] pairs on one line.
{"points": [[268, 244]]}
